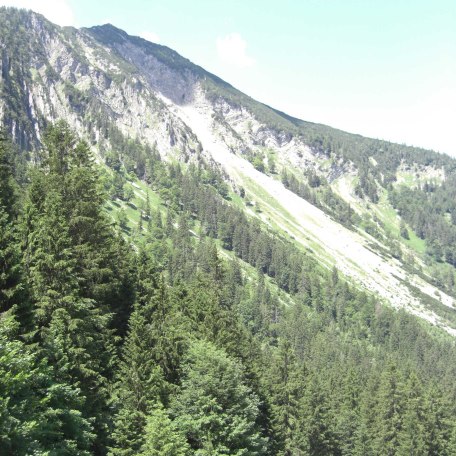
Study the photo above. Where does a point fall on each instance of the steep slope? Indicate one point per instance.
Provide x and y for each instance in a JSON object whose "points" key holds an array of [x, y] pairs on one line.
{"points": [[50, 72], [332, 243], [119, 91], [227, 130]]}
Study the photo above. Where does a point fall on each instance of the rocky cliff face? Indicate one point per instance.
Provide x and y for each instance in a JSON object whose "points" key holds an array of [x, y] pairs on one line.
{"points": [[101, 80], [75, 78]]}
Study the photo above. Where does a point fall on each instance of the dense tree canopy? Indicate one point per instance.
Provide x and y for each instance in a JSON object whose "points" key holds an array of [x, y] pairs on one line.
{"points": [[162, 346]]}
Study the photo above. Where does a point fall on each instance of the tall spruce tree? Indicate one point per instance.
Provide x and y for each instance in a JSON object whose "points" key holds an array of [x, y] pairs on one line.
{"points": [[7, 185], [38, 413], [413, 436], [10, 268], [389, 425], [151, 350], [316, 424], [215, 408], [66, 251], [286, 385], [162, 436], [140, 387]]}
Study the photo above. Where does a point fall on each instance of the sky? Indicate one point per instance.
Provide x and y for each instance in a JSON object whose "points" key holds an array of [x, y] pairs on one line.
{"points": [[384, 69]]}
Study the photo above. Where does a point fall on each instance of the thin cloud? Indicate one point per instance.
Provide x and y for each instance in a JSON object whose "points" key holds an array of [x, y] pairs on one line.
{"points": [[150, 36], [232, 50], [57, 11]]}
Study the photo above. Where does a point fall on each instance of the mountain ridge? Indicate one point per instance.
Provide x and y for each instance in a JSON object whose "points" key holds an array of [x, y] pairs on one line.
{"points": [[104, 83]]}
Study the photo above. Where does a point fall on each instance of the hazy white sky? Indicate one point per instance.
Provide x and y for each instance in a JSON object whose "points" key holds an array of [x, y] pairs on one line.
{"points": [[385, 69]]}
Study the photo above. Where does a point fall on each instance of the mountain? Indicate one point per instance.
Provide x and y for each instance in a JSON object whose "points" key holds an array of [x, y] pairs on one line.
{"points": [[326, 189], [185, 270]]}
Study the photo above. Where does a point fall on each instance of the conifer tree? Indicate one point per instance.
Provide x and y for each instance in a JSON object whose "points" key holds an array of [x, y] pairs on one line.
{"points": [[67, 250], [67, 321], [316, 419], [347, 418], [388, 426], [286, 385], [413, 436], [140, 386], [38, 413], [162, 436], [102, 258], [147, 210], [151, 350], [440, 429], [215, 408], [10, 268], [7, 185]]}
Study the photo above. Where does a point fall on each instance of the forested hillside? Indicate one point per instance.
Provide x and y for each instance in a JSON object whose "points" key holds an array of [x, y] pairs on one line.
{"points": [[340, 197], [187, 271], [160, 343]]}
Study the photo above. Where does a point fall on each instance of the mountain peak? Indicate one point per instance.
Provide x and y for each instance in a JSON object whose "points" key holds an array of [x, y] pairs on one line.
{"points": [[114, 37], [108, 33]]}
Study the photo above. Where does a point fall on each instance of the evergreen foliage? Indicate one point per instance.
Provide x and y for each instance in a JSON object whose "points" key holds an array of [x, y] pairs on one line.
{"points": [[215, 408], [38, 413], [10, 268], [162, 436], [167, 348]]}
